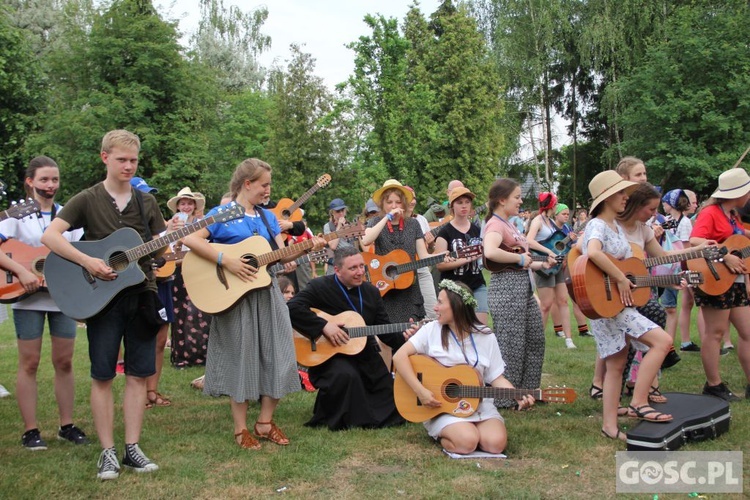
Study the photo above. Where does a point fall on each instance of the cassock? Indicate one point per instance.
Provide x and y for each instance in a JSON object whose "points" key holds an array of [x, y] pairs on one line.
{"points": [[353, 391]]}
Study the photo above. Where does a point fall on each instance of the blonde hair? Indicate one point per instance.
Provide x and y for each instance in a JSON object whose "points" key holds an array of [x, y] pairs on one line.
{"points": [[249, 170], [120, 138], [626, 165]]}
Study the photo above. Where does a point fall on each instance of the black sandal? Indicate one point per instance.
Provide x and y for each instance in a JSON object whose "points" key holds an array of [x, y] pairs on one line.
{"points": [[595, 392], [638, 412], [616, 436], [655, 396]]}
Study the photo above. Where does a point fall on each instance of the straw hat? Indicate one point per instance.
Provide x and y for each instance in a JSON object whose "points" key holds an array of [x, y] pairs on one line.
{"points": [[392, 184], [186, 192], [458, 192], [605, 184], [734, 183]]}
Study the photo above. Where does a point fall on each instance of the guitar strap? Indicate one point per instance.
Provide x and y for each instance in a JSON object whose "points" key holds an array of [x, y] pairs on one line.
{"points": [[139, 201], [260, 211]]}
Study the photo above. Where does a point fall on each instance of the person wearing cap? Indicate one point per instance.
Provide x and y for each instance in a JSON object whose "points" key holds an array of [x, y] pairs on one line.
{"points": [[718, 220], [140, 184], [604, 237], [189, 332], [41, 183], [516, 317], [337, 211], [392, 231], [456, 234], [676, 204]]}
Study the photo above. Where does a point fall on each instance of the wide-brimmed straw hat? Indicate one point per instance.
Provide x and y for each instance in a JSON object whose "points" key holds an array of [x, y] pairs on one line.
{"points": [[392, 184], [186, 192], [734, 183], [458, 192], [605, 184]]}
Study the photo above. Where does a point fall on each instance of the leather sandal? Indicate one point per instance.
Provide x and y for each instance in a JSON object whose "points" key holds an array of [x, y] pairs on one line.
{"points": [[639, 412], [655, 396], [616, 436], [595, 392], [157, 400], [275, 435], [246, 441]]}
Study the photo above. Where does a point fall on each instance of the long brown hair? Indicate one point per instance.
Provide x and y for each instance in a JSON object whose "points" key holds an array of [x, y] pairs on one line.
{"points": [[501, 189], [638, 199], [464, 317]]}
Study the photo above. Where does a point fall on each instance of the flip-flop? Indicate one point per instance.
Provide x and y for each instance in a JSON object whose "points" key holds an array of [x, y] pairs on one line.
{"points": [[639, 412]]}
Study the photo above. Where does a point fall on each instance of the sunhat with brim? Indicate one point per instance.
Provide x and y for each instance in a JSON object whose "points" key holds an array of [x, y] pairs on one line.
{"points": [[186, 192], [605, 184], [734, 183], [392, 184], [458, 192]]}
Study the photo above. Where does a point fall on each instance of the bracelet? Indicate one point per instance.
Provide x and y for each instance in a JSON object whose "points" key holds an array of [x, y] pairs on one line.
{"points": [[523, 260], [218, 261], [390, 217]]}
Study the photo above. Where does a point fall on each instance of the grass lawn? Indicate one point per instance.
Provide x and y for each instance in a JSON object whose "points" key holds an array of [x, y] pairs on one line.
{"points": [[554, 451]]}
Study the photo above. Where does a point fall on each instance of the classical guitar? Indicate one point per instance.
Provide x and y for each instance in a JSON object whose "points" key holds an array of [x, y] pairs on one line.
{"points": [[395, 270], [80, 295], [214, 290], [717, 278], [713, 253], [459, 389], [496, 267], [318, 351], [597, 294], [287, 209], [32, 259], [21, 209]]}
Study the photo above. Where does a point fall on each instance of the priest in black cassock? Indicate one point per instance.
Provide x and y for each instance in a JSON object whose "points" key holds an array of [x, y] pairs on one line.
{"points": [[353, 391]]}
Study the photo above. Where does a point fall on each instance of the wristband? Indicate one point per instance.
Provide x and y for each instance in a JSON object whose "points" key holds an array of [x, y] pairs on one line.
{"points": [[521, 263], [218, 261], [390, 217]]}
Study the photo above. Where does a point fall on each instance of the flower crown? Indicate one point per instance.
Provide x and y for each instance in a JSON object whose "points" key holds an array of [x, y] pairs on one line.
{"points": [[465, 295]]}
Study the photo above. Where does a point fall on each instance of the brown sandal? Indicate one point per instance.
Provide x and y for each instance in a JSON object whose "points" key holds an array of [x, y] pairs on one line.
{"points": [[247, 441], [275, 435], [157, 400]]}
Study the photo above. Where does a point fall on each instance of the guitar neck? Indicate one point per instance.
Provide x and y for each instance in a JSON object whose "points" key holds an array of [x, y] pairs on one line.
{"points": [[670, 259], [135, 254], [368, 331], [416, 264], [539, 258], [475, 391], [305, 259], [662, 281], [302, 199], [284, 252], [435, 230]]}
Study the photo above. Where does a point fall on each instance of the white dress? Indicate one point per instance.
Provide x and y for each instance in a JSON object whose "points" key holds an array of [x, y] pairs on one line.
{"points": [[609, 333], [489, 361]]}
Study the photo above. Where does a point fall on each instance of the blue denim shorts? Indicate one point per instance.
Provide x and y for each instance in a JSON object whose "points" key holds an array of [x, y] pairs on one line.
{"points": [[30, 324], [669, 298], [481, 295]]}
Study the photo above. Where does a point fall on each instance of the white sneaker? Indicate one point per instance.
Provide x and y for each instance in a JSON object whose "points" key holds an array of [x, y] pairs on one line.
{"points": [[569, 344], [4, 393]]}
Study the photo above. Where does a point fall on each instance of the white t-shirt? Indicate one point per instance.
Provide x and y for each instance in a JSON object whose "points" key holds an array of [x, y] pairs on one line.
{"points": [[29, 230]]}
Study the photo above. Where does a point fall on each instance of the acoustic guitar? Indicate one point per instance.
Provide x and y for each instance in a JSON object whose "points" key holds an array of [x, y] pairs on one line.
{"points": [[315, 352], [287, 209], [459, 389], [717, 278], [214, 291], [496, 267], [317, 256], [597, 294], [80, 295], [32, 259], [395, 270]]}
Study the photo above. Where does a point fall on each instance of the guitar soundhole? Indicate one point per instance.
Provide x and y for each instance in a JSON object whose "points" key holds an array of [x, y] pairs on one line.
{"points": [[118, 261], [391, 272], [452, 391], [251, 259], [285, 214]]}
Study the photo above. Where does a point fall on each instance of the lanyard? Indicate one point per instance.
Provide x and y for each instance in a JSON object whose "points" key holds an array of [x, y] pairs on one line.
{"points": [[346, 296], [464, 352]]}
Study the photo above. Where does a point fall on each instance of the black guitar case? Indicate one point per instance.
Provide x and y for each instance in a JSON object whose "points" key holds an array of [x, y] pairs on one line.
{"points": [[696, 418]]}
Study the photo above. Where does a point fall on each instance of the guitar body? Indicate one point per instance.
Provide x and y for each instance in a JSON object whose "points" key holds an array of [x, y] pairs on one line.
{"points": [[169, 267], [80, 295], [433, 375], [381, 270], [717, 278], [324, 350], [281, 210], [551, 243], [31, 258], [202, 280], [596, 295]]}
